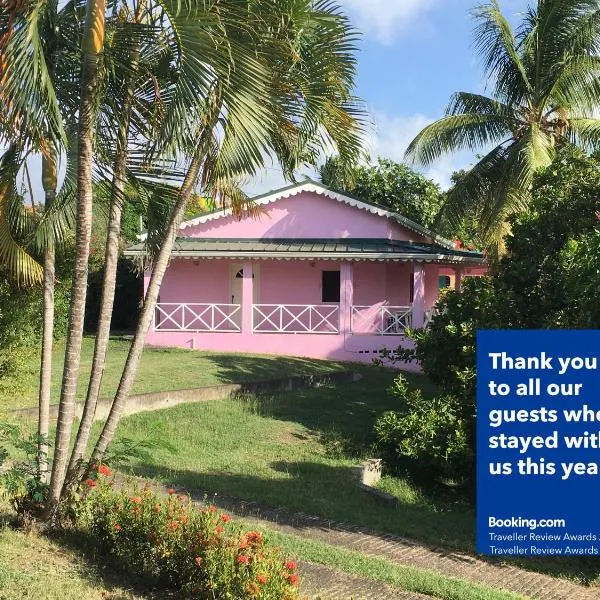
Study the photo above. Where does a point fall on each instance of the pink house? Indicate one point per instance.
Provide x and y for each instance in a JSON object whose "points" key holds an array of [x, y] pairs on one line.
{"points": [[316, 273]]}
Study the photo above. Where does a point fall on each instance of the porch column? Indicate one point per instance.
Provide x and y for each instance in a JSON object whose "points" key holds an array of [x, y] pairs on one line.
{"points": [[458, 275], [418, 307], [346, 297], [247, 297]]}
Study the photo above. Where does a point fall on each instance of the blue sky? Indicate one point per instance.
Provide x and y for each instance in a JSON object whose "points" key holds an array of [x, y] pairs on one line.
{"points": [[413, 55]]}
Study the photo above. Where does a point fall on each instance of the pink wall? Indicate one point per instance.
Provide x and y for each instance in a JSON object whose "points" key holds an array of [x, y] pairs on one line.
{"points": [[363, 348], [431, 285], [398, 276], [206, 282], [294, 282], [295, 218]]}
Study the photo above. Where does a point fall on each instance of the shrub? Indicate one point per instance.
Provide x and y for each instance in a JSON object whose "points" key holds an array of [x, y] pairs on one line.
{"points": [[436, 437], [201, 553], [427, 437]]}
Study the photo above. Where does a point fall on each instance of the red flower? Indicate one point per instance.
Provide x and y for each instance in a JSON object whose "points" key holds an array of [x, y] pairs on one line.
{"points": [[90, 482], [103, 470], [290, 565], [243, 544], [254, 537], [225, 518], [170, 491], [253, 589], [293, 578], [212, 508], [219, 530], [198, 560], [262, 579], [243, 559], [136, 499], [173, 525], [118, 527]]}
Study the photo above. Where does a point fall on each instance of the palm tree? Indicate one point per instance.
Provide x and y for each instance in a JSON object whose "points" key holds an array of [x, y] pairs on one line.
{"points": [[545, 78], [92, 46], [33, 37], [122, 117], [307, 67], [49, 181]]}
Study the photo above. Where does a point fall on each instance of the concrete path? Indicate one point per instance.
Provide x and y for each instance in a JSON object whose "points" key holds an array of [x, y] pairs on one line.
{"points": [[529, 584]]}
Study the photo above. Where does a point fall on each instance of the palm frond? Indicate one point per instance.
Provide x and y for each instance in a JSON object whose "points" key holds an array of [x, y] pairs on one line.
{"points": [[495, 41], [457, 132], [585, 133]]}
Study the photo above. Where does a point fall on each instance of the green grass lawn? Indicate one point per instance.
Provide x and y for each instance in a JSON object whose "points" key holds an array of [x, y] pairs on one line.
{"points": [[297, 450], [32, 566], [160, 369], [70, 567]]}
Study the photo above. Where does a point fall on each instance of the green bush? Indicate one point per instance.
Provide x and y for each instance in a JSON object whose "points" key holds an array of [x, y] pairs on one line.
{"points": [[436, 437], [426, 437], [200, 553], [548, 279], [20, 329]]}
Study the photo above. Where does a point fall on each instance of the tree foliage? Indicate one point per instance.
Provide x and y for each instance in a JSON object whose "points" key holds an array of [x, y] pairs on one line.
{"points": [[548, 279], [545, 82], [391, 185]]}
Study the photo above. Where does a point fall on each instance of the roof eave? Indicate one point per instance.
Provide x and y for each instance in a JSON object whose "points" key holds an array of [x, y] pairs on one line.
{"points": [[358, 256]]}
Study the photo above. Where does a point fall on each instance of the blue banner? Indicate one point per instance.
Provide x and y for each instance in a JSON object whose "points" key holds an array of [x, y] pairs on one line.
{"points": [[538, 443]]}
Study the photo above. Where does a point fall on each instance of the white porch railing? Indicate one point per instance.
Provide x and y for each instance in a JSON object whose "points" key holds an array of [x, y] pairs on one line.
{"points": [[380, 320], [197, 317], [295, 318]]}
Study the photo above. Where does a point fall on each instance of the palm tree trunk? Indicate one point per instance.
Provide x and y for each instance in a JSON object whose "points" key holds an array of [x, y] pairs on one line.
{"points": [[49, 180], [111, 261], [135, 352], [93, 41], [46, 367]]}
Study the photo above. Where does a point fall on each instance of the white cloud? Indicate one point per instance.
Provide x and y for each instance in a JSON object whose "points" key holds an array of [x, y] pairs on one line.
{"points": [[392, 135], [388, 138], [384, 19], [271, 178]]}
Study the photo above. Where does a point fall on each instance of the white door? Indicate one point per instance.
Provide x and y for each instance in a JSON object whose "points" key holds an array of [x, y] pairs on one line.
{"points": [[236, 281]]}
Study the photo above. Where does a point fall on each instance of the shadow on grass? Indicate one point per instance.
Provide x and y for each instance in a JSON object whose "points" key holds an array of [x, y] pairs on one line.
{"points": [[328, 492], [93, 564], [240, 368], [344, 413]]}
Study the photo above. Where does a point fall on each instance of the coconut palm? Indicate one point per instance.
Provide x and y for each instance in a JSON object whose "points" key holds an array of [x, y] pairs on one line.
{"points": [[306, 67], [33, 36], [92, 46], [546, 90]]}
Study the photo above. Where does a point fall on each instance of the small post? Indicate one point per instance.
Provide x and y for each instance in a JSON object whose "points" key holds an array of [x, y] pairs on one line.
{"points": [[370, 472]]}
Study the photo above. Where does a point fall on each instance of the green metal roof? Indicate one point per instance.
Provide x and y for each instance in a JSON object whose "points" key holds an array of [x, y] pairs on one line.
{"points": [[308, 248]]}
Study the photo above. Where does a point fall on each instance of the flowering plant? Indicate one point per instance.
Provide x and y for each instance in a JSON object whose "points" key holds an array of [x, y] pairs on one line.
{"points": [[201, 552]]}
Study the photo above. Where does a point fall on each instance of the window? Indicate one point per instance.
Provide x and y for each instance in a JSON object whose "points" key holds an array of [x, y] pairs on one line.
{"points": [[443, 282], [331, 286]]}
